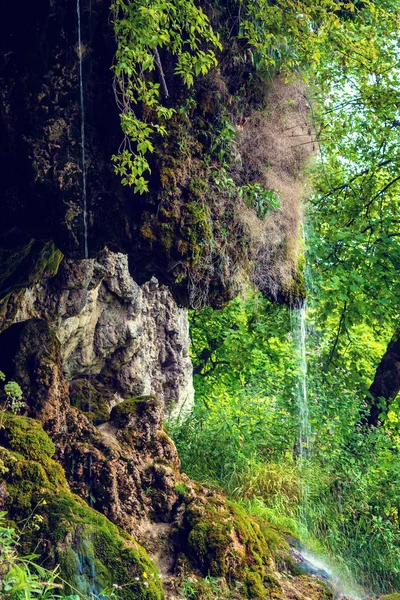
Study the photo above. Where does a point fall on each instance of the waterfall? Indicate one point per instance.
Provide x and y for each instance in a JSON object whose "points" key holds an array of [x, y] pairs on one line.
{"points": [[84, 195], [299, 328], [87, 557], [301, 392], [340, 582]]}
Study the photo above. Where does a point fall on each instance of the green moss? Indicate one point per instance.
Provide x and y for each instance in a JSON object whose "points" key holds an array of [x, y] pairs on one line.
{"points": [[209, 541], [225, 541], [275, 536], [296, 294], [26, 436], [325, 592], [181, 489], [12, 259], [48, 262], [122, 413], [289, 564], [92, 552], [27, 263], [391, 597], [254, 586], [92, 402]]}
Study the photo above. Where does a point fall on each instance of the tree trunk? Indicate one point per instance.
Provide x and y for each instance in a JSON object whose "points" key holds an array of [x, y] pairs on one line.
{"points": [[386, 384]]}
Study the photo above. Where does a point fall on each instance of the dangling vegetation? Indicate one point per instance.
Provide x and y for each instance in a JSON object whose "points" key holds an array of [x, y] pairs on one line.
{"points": [[142, 32], [154, 33]]}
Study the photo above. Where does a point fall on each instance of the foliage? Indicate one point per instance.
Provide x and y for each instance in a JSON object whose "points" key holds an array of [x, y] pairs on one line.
{"points": [[21, 578], [178, 33], [261, 199], [13, 395], [244, 439], [238, 413], [354, 239], [39, 501], [142, 32], [207, 588]]}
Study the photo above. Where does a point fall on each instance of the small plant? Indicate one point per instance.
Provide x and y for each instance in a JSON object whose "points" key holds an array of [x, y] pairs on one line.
{"points": [[261, 199], [223, 141], [20, 577], [224, 182], [181, 489], [189, 588], [213, 583], [13, 393]]}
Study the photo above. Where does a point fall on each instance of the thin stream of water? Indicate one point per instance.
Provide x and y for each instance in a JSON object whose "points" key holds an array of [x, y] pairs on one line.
{"points": [[86, 247], [299, 316], [84, 194], [305, 449], [344, 587]]}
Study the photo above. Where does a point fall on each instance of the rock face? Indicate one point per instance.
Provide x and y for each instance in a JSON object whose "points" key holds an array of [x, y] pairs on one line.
{"points": [[86, 341], [190, 231], [132, 339]]}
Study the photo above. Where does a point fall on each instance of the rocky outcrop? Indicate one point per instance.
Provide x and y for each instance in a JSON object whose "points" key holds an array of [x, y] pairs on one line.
{"points": [[130, 340], [92, 553], [193, 230], [79, 342], [85, 341]]}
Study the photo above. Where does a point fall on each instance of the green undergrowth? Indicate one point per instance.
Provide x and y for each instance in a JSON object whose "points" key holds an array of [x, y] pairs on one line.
{"points": [[242, 436], [92, 553]]}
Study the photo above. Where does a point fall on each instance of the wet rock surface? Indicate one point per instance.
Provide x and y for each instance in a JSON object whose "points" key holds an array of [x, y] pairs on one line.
{"points": [[107, 426], [129, 340]]}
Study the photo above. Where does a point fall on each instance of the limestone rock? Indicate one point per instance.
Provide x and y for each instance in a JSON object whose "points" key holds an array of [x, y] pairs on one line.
{"points": [[132, 340]]}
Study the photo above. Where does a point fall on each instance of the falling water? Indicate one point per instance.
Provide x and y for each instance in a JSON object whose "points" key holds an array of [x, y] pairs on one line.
{"points": [[84, 196], [301, 393], [87, 557], [299, 329], [343, 586]]}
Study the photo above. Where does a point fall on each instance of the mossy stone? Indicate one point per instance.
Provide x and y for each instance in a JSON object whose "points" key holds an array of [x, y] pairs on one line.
{"points": [[88, 399], [92, 552], [26, 263], [26, 436], [212, 549], [122, 413]]}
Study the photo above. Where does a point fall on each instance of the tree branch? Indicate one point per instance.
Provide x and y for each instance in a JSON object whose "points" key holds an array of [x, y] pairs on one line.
{"points": [[161, 72]]}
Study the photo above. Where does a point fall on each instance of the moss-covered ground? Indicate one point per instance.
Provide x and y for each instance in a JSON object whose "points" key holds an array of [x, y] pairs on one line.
{"points": [[93, 554]]}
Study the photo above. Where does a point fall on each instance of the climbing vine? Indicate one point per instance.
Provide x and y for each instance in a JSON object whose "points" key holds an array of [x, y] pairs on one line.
{"points": [[142, 32], [150, 33]]}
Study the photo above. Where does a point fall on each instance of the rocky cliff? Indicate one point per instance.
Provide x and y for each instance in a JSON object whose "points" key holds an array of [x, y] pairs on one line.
{"points": [[100, 345]]}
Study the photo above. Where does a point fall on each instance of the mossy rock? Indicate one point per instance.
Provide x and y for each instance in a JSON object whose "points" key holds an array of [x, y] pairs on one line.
{"points": [[295, 295], [94, 403], [224, 541], [93, 553], [391, 597], [122, 414], [26, 436], [27, 263]]}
